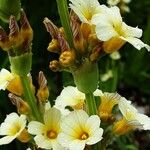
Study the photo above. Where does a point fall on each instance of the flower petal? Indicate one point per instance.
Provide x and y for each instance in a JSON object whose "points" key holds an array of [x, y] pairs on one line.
{"points": [[6, 140], [5, 78], [69, 96], [125, 107], [35, 128], [64, 139], [77, 145], [137, 43], [131, 31], [92, 123], [9, 122], [52, 117], [96, 137], [42, 142], [105, 31], [144, 120]]}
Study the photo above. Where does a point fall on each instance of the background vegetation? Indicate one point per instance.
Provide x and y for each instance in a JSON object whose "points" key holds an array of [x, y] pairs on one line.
{"points": [[131, 74]]}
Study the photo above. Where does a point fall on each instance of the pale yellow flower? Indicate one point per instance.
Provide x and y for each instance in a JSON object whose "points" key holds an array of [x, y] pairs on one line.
{"points": [[85, 9], [78, 130], [131, 119], [107, 103], [114, 32], [5, 78], [47, 132], [113, 2], [12, 128], [70, 96]]}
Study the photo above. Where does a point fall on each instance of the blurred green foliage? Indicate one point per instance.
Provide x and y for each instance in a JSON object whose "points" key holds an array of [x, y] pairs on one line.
{"points": [[131, 74]]}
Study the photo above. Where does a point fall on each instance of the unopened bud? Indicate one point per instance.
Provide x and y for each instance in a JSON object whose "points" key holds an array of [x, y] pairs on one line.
{"points": [[67, 58], [86, 30], [51, 28], [22, 106], [26, 30], [55, 66], [93, 40], [4, 40], [54, 46], [43, 91], [14, 32], [96, 52], [62, 42]]}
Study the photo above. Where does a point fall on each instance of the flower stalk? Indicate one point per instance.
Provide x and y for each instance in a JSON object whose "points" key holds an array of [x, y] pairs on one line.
{"points": [[91, 105], [30, 98]]}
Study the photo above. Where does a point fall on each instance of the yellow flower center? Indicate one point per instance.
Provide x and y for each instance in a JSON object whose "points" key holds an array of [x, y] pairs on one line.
{"points": [[51, 134], [84, 136], [78, 106], [15, 129]]}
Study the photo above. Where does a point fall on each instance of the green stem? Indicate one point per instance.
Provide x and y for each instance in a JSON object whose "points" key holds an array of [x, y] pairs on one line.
{"points": [[115, 76], [91, 104], [30, 98], [65, 21]]}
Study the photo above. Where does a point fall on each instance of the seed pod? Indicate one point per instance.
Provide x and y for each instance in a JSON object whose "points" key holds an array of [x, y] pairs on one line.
{"points": [[8, 8]]}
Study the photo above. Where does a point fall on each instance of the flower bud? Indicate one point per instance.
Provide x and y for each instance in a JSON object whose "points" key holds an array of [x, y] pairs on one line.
{"points": [[26, 31], [9, 7], [86, 30], [14, 35], [22, 106], [96, 52], [54, 46], [43, 91], [4, 40], [55, 66], [67, 58]]}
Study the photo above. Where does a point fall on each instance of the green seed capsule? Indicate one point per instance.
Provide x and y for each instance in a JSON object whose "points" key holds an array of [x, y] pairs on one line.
{"points": [[8, 8]]}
